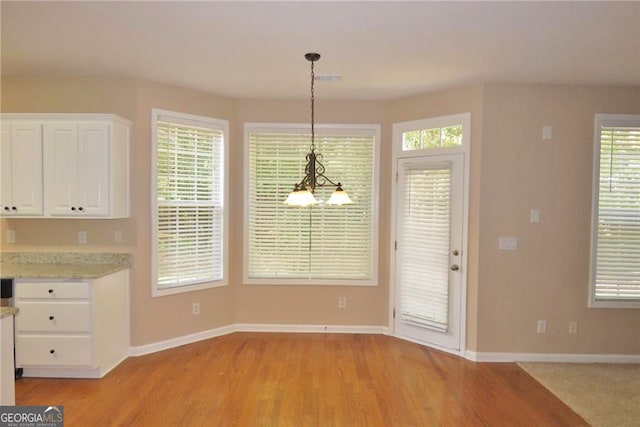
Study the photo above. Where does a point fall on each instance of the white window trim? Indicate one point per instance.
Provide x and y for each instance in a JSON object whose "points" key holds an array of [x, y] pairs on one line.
{"points": [[606, 120], [195, 120], [436, 122], [270, 127]]}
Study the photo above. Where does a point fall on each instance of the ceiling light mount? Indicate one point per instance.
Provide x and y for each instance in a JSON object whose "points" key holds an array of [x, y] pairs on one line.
{"points": [[313, 57], [303, 192]]}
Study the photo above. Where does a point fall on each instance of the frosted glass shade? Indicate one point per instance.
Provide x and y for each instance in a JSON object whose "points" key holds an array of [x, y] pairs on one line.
{"points": [[301, 198], [339, 197]]}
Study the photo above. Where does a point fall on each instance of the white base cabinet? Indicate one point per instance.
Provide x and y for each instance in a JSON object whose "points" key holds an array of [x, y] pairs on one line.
{"points": [[7, 383], [72, 329]]}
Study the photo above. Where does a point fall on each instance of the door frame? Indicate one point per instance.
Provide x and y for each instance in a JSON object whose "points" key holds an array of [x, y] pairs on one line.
{"points": [[463, 119]]}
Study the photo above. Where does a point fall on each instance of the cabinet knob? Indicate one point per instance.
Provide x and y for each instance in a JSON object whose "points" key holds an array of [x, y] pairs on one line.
{"points": [[51, 317], [80, 208], [13, 208], [50, 291], [52, 351], [73, 208], [6, 208]]}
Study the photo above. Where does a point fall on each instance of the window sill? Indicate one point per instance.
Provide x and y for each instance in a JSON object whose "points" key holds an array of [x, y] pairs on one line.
{"points": [[187, 288]]}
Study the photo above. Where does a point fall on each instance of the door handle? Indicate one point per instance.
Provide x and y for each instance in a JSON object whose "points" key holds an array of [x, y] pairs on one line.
{"points": [[455, 267]]}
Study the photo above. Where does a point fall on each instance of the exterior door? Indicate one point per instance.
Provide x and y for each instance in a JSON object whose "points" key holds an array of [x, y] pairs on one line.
{"points": [[429, 268]]}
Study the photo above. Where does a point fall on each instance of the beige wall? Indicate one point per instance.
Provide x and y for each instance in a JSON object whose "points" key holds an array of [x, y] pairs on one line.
{"points": [[153, 319], [512, 171], [547, 277], [316, 304], [446, 102]]}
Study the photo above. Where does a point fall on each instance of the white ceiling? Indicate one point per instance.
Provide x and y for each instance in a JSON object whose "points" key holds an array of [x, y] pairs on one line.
{"points": [[383, 50]]}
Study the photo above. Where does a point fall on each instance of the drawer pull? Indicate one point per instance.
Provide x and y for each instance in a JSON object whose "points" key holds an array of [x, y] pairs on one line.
{"points": [[51, 317], [52, 351], [50, 291]]}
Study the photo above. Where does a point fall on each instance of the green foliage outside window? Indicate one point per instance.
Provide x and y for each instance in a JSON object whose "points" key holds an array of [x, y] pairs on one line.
{"points": [[432, 138]]}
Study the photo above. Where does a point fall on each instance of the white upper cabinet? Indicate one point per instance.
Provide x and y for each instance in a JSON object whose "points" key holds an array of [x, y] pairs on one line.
{"points": [[21, 192], [77, 159], [84, 165]]}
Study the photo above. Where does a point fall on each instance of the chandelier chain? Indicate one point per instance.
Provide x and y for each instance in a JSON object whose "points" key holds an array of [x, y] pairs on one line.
{"points": [[313, 143], [314, 170]]}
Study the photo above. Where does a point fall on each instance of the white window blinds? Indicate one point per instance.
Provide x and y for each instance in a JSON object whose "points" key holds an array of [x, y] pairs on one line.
{"points": [[424, 249], [617, 240], [189, 195], [317, 243]]}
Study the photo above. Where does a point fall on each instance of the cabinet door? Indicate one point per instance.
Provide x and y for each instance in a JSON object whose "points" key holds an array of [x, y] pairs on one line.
{"points": [[5, 163], [22, 168], [77, 170], [61, 169], [94, 169]]}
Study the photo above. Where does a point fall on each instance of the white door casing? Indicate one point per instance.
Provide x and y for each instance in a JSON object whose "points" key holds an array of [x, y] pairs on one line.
{"points": [[429, 248]]}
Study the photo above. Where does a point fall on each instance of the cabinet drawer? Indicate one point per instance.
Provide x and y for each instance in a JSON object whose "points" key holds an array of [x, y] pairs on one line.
{"points": [[52, 290], [45, 316], [41, 350]]}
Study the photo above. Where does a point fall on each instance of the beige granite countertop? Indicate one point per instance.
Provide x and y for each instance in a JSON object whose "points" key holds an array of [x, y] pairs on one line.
{"points": [[61, 265], [8, 311]]}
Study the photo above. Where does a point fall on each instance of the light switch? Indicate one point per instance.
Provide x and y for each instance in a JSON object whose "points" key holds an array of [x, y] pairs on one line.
{"points": [[508, 243], [535, 216], [546, 133]]}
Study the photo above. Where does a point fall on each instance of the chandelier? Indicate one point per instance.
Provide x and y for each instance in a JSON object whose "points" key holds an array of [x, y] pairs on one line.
{"points": [[303, 192]]}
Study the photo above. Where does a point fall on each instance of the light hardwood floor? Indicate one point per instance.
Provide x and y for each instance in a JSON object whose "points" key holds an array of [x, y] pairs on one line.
{"points": [[262, 379]]}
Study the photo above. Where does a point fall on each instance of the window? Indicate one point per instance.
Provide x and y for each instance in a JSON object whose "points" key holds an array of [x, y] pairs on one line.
{"points": [[615, 260], [322, 244], [188, 212], [450, 136]]}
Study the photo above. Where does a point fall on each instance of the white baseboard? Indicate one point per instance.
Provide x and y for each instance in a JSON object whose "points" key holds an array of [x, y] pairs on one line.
{"points": [[252, 327], [334, 329], [62, 373], [364, 329], [177, 342], [551, 357]]}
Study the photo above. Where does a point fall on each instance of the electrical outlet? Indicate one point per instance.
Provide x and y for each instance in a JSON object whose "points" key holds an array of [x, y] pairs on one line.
{"points": [[117, 236], [342, 302], [573, 327], [542, 327], [11, 236], [508, 243], [196, 308], [82, 237]]}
